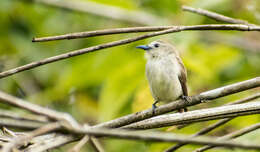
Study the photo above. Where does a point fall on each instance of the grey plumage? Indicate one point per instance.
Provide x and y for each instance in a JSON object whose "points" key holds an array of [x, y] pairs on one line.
{"points": [[165, 71]]}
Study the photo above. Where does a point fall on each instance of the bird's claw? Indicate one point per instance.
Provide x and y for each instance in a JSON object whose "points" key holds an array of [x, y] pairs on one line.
{"points": [[187, 99], [154, 107]]}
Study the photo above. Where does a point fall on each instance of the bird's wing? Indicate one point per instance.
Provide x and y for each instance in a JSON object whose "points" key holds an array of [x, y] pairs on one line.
{"points": [[183, 77]]}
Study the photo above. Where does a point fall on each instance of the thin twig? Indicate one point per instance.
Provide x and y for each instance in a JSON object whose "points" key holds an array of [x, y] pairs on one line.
{"points": [[96, 144], [80, 144], [160, 136], [111, 12], [102, 33], [27, 117], [215, 125], [18, 141], [178, 104], [147, 29], [21, 124], [125, 41], [49, 141], [232, 135], [52, 114], [215, 16]]}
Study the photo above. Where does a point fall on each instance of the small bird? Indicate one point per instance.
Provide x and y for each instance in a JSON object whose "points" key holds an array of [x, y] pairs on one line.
{"points": [[165, 72]]}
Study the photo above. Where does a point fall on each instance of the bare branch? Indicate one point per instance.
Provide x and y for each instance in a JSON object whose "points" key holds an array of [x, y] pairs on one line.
{"points": [[125, 41], [102, 33], [52, 114], [236, 134], [159, 136], [80, 144], [96, 144], [215, 125], [107, 11], [147, 29], [17, 116], [65, 118], [197, 116], [215, 16], [178, 104], [49, 141], [21, 124], [134, 135], [20, 140]]}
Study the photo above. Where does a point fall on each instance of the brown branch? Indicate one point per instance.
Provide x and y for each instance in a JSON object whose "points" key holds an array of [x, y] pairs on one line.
{"points": [[215, 125], [111, 12], [178, 104], [49, 141], [147, 29], [236, 134], [137, 135], [67, 120], [102, 33], [163, 137], [20, 140], [52, 114], [215, 16], [125, 41], [80, 144], [21, 124], [197, 116], [17, 116]]}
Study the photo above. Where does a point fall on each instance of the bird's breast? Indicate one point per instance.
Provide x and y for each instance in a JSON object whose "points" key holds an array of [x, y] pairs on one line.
{"points": [[163, 79]]}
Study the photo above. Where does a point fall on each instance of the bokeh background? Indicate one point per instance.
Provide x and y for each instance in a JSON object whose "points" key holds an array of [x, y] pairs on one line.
{"points": [[110, 83]]}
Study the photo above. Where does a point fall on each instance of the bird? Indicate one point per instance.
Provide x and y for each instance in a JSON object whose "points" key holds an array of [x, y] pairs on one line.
{"points": [[165, 72]]}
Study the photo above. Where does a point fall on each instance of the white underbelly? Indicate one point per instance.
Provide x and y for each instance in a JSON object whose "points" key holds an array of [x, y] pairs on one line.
{"points": [[164, 82]]}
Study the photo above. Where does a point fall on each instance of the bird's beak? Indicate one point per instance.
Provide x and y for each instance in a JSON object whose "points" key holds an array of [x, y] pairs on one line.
{"points": [[144, 47]]}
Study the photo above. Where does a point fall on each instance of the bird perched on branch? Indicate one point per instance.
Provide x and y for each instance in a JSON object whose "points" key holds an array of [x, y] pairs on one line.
{"points": [[165, 72]]}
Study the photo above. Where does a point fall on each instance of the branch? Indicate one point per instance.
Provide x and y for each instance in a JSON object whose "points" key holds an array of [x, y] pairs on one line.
{"points": [[197, 116], [69, 36], [125, 41], [178, 104], [20, 140], [215, 125], [65, 118], [215, 16], [21, 124], [159, 136], [145, 136], [102, 33], [232, 135], [18, 116], [54, 115], [49, 141], [111, 12], [80, 144]]}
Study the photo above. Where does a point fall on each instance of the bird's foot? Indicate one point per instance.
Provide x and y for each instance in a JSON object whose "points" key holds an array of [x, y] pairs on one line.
{"points": [[154, 107], [187, 99]]}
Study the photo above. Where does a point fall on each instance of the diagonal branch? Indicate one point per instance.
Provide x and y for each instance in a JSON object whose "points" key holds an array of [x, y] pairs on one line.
{"points": [[163, 137], [178, 104], [197, 116], [232, 135], [102, 33], [20, 140], [69, 36], [125, 41], [215, 16], [215, 125]]}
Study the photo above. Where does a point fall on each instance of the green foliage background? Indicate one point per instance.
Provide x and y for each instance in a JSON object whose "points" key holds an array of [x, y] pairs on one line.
{"points": [[110, 83]]}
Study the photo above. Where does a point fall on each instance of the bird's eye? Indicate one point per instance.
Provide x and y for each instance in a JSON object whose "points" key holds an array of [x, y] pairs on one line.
{"points": [[156, 45]]}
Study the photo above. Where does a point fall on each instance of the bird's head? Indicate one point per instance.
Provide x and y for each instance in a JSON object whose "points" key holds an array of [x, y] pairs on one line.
{"points": [[158, 49]]}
